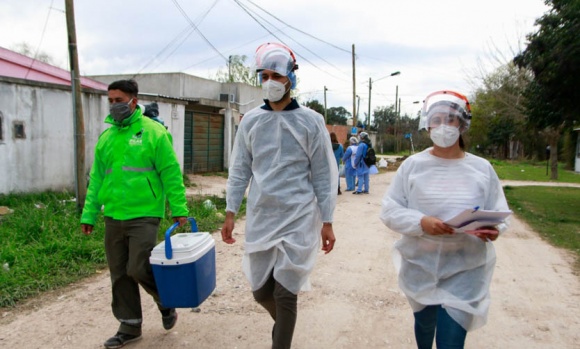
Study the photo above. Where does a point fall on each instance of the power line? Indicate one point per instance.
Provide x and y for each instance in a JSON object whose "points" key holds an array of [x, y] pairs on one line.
{"points": [[301, 31], [41, 39], [197, 29], [247, 10]]}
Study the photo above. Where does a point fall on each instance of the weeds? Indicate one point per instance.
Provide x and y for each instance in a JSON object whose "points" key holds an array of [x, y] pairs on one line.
{"points": [[43, 247]]}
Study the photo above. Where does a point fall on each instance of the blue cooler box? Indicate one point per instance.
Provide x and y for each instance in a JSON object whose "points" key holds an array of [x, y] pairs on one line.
{"points": [[184, 269]]}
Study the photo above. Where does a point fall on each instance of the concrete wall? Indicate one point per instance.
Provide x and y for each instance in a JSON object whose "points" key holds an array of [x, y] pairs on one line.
{"points": [[44, 158]]}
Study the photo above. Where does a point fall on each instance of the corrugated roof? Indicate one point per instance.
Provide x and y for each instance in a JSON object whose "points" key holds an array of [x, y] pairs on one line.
{"points": [[15, 65]]}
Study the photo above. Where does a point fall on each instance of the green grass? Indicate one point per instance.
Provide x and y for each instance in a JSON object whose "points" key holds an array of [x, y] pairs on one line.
{"points": [[550, 211], [43, 248], [523, 171]]}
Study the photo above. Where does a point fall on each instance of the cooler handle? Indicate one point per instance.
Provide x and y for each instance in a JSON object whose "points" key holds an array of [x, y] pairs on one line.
{"points": [[168, 248]]}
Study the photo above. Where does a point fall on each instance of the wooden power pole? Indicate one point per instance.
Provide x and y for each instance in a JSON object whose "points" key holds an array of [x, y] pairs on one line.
{"points": [[353, 89], [79, 124]]}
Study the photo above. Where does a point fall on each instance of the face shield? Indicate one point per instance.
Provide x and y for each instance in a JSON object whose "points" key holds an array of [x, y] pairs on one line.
{"points": [[278, 58], [445, 107]]}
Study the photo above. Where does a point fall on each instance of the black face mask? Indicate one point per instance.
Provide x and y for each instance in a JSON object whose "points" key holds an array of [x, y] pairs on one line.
{"points": [[120, 111]]}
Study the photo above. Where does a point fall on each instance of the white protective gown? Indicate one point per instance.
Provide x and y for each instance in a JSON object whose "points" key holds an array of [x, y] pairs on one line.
{"points": [[288, 157], [452, 270]]}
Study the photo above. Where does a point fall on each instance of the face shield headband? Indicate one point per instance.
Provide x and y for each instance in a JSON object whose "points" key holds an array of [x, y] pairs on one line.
{"points": [[278, 58], [446, 102]]}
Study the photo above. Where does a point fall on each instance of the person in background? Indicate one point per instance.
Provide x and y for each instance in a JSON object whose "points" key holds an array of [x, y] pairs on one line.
{"points": [[445, 275], [362, 170], [338, 153], [348, 161], [283, 152], [134, 172]]}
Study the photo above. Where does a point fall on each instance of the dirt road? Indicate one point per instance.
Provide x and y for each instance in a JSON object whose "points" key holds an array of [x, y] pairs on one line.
{"points": [[354, 302]]}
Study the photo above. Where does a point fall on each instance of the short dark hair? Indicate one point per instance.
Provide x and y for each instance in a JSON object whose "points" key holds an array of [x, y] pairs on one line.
{"points": [[130, 87]]}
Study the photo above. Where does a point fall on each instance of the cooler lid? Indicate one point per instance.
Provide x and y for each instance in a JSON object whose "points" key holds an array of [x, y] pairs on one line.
{"points": [[185, 248], [183, 243]]}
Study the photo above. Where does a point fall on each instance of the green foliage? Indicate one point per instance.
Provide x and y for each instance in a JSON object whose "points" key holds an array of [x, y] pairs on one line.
{"points": [[550, 211], [315, 105], [553, 54], [237, 71], [43, 247], [337, 116], [498, 120]]}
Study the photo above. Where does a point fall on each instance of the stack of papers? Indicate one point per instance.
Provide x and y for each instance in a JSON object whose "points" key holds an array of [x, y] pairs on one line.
{"points": [[473, 219]]}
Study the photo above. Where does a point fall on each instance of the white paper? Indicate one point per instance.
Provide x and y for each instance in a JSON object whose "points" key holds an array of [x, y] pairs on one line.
{"points": [[472, 219]]}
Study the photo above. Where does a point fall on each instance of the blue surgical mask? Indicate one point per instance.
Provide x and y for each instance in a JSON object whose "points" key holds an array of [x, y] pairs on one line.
{"points": [[120, 111]]}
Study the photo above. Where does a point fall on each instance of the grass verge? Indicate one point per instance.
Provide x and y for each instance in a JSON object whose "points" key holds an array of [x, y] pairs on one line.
{"points": [[523, 171], [550, 211], [43, 248]]}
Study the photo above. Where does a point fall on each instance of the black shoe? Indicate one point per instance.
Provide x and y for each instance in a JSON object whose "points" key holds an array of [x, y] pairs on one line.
{"points": [[357, 192], [365, 192], [120, 339], [339, 192], [169, 318]]}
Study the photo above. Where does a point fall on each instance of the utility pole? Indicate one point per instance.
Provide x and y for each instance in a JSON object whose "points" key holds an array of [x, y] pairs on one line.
{"points": [[79, 124], [230, 69], [369, 114], [396, 118], [353, 89], [325, 113]]}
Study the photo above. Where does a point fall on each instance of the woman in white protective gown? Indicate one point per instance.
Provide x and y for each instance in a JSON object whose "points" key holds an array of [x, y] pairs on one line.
{"points": [[444, 274]]}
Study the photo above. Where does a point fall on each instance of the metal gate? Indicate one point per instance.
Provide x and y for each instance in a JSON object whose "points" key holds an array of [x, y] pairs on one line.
{"points": [[203, 150]]}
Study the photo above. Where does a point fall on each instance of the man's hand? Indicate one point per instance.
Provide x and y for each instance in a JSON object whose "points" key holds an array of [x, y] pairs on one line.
{"points": [[435, 226], [228, 228], [87, 229], [180, 220], [328, 238]]}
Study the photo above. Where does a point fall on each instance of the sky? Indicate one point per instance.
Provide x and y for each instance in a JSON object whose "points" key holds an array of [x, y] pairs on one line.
{"points": [[435, 45]]}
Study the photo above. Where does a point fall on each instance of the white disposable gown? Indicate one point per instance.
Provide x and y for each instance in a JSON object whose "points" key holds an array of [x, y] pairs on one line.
{"points": [[288, 157], [452, 270]]}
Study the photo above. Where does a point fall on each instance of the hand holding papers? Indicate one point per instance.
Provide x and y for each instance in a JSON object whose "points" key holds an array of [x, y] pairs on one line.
{"points": [[475, 218]]}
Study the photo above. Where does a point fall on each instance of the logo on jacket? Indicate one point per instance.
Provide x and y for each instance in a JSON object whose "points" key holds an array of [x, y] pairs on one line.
{"points": [[136, 139]]}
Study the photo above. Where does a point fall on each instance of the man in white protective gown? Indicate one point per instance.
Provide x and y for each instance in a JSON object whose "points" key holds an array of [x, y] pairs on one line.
{"points": [[283, 151], [445, 274]]}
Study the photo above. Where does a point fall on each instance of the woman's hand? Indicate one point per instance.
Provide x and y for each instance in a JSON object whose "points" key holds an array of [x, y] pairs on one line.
{"points": [[486, 234], [435, 226]]}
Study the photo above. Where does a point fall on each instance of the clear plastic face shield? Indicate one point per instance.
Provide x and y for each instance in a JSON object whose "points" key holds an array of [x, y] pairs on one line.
{"points": [[277, 58], [445, 108]]}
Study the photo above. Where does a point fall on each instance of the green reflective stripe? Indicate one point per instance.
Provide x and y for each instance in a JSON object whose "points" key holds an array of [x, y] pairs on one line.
{"points": [[137, 169], [109, 170]]}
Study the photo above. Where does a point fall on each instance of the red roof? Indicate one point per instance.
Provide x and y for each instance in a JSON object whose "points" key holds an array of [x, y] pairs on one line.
{"points": [[15, 65]]}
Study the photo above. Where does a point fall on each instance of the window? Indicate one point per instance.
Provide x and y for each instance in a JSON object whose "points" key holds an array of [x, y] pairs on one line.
{"points": [[19, 130]]}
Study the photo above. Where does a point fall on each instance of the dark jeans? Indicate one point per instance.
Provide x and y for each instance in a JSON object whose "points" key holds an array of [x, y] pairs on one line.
{"points": [[128, 245], [450, 335], [282, 306]]}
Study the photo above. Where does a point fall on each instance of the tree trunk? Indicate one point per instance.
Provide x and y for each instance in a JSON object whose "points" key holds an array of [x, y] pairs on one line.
{"points": [[552, 136]]}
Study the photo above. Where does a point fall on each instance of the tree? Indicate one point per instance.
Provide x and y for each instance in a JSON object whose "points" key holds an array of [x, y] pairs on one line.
{"points": [[337, 116], [553, 55], [315, 105], [237, 71], [27, 50], [498, 125]]}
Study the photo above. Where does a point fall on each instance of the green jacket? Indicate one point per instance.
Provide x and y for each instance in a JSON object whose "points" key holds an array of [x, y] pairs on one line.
{"points": [[134, 170]]}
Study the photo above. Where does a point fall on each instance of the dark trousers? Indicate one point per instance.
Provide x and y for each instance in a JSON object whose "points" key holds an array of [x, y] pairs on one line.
{"points": [[282, 306], [450, 334], [128, 245]]}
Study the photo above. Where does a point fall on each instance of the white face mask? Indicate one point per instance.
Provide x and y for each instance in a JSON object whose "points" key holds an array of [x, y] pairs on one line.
{"points": [[444, 136], [273, 90]]}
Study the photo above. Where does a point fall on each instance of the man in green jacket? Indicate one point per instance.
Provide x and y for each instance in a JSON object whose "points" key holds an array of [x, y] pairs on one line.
{"points": [[135, 170]]}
